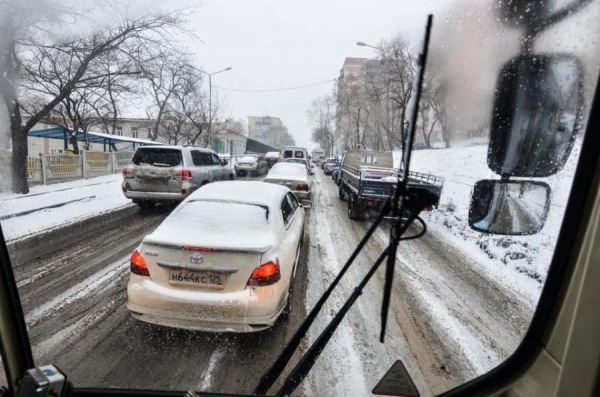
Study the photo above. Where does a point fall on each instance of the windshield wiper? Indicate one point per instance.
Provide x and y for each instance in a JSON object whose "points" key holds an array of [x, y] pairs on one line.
{"points": [[400, 205]]}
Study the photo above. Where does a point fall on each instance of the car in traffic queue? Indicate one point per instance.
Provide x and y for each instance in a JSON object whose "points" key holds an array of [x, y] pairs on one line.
{"points": [[171, 173], [336, 172], [329, 165], [294, 176], [223, 261], [306, 163], [272, 157], [294, 152], [251, 164]]}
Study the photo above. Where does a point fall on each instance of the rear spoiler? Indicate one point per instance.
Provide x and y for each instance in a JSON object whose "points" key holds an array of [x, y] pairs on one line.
{"points": [[192, 247]]}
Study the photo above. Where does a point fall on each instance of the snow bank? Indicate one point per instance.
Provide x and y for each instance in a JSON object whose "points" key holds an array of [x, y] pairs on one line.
{"points": [[49, 206], [520, 262]]}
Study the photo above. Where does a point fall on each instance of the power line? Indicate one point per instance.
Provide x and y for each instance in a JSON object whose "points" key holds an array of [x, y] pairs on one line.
{"points": [[277, 89]]}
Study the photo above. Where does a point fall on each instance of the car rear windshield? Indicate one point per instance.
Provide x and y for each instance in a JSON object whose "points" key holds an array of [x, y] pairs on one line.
{"points": [[249, 159], [223, 216], [158, 157], [283, 170]]}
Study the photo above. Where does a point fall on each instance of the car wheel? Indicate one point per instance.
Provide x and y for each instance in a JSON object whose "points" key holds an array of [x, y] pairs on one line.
{"points": [[341, 194], [354, 212], [288, 306]]}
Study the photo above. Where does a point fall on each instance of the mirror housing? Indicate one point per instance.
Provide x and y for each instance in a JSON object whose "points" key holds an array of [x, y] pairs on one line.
{"points": [[509, 207], [306, 203], [224, 162], [536, 115]]}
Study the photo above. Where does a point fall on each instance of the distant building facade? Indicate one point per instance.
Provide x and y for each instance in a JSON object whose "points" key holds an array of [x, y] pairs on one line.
{"points": [[269, 130], [348, 112]]}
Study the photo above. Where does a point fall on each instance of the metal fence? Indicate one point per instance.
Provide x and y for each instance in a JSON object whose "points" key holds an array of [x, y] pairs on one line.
{"points": [[52, 168]]}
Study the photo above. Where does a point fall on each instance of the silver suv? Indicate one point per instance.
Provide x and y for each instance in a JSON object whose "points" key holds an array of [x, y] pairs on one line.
{"points": [[171, 173]]}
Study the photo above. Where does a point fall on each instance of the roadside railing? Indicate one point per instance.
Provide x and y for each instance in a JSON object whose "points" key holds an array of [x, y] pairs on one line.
{"points": [[50, 168]]}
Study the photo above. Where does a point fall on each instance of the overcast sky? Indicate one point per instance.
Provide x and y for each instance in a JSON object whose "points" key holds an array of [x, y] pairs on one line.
{"points": [[273, 44]]}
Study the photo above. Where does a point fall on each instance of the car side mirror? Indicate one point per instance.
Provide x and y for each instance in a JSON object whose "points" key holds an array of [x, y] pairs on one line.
{"points": [[224, 162], [306, 203], [536, 114], [509, 207]]}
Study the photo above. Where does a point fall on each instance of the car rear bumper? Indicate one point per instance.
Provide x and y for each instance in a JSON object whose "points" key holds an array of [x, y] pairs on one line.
{"points": [[157, 196], [302, 195], [249, 310]]}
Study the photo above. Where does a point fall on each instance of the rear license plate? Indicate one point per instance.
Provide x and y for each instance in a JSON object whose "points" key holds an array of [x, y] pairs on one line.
{"points": [[199, 279]]}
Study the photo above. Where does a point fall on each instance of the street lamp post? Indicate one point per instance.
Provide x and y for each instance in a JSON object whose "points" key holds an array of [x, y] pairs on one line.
{"points": [[210, 75], [363, 44]]}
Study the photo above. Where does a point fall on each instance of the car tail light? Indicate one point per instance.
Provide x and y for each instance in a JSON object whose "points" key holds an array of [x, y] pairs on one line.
{"points": [[138, 264], [184, 175], [266, 274], [303, 187], [127, 173]]}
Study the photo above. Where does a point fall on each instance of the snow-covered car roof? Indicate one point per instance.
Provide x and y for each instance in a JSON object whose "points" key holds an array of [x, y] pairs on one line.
{"points": [[202, 149], [272, 155], [251, 192], [295, 171]]}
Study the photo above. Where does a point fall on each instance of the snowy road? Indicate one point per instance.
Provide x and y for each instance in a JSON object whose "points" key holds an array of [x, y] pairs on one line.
{"points": [[447, 322]]}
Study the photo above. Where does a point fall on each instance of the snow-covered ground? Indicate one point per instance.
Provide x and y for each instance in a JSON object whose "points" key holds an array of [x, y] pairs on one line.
{"points": [[520, 262], [50, 206]]}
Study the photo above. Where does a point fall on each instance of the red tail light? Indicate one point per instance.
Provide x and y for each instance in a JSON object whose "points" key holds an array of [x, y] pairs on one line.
{"points": [[138, 264], [184, 175], [127, 173], [302, 187], [266, 274]]}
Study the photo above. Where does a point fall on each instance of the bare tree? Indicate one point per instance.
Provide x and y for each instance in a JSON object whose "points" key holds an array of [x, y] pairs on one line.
{"points": [[119, 84], [371, 106], [165, 74], [49, 72], [398, 65], [78, 112], [322, 115]]}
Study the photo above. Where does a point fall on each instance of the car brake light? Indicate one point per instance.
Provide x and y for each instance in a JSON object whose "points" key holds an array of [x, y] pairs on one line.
{"points": [[184, 175], [266, 274], [302, 187], [127, 173], [138, 264], [195, 248]]}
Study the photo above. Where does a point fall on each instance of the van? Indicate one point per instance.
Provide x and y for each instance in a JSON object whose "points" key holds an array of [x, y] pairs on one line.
{"points": [[295, 152]]}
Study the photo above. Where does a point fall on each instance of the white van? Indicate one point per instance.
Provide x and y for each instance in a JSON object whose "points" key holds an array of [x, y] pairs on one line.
{"points": [[294, 152]]}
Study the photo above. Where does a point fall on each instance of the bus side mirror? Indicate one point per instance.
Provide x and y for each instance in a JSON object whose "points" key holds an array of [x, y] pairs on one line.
{"points": [[536, 114], [509, 207]]}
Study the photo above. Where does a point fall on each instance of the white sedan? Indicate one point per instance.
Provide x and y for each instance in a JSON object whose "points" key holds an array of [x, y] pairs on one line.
{"points": [[294, 176], [224, 260]]}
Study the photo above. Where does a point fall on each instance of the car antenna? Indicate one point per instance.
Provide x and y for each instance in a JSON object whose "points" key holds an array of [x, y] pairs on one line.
{"points": [[400, 200]]}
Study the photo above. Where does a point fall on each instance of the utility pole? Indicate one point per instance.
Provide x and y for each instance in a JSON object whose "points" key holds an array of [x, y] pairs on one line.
{"points": [[210, 116]]}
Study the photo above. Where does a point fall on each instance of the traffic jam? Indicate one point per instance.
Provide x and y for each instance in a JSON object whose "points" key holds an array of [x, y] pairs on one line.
{"points": [[225, 258]]}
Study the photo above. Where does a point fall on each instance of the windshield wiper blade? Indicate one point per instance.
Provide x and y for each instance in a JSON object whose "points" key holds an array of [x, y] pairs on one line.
{"points": [[398, 209], [398, 228], [284, 357]]}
